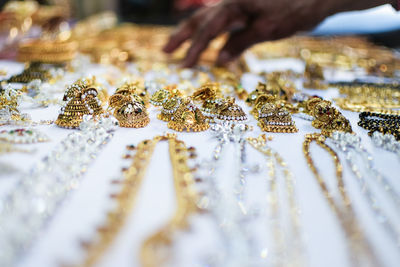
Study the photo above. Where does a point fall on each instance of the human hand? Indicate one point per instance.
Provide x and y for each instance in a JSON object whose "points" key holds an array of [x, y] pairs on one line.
{"points": [[253, 21]]}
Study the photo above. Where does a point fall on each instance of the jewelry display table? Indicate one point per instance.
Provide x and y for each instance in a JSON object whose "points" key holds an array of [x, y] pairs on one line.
{"points": [[259, 236]]}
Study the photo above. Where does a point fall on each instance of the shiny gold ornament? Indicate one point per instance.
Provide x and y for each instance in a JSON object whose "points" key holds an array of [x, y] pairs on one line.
{"points": [[47, 51], [134, 88], [210, 109], [82, 99], [188, 117], [327, 117], [261, 89], [169, 108], [216, 107], [273, 114], [125, 201], [159, 97], [361, 97], [261, 100], [154, 248], [278, 86], [129, 111], [207, 91], [344, 53], [361, 250], [34, 71], [208, 94], [229, 111], [10, 98], [276, 118]]}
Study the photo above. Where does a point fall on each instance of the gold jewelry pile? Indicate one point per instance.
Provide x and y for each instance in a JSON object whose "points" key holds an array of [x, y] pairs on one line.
{"points": [[181, 113], [47, 51], [361, 97]]}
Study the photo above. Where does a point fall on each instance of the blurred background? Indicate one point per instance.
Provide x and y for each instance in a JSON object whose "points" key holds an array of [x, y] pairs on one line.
{"points": [[381, 24], [377, 20]]}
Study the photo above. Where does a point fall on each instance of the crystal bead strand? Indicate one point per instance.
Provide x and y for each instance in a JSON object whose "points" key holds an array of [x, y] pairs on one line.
{"points": [[226, 206], [362, 251], [276, 165], [350, 144], [35, 199], [387, 142]]}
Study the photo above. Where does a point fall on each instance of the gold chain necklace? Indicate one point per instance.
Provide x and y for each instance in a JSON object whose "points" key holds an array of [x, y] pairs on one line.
{"points": [[371, 98], [125, 201], [153, 252], [362, 252]]}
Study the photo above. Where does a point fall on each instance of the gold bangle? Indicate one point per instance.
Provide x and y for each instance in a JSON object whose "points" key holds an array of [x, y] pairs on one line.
{"points": [[46, 58], [45, 46]]}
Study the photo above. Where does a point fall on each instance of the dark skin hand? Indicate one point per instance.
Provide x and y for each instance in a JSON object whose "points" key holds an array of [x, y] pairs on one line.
{"points": [[252, 21]]}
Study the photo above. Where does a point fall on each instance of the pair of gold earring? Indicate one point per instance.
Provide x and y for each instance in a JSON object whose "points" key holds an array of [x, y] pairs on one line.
{"points": [[215, 107], [273, 115], [180, 112]]}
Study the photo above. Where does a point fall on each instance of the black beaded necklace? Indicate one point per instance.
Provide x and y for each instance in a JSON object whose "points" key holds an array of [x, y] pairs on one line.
{"points": [[379, 122]]}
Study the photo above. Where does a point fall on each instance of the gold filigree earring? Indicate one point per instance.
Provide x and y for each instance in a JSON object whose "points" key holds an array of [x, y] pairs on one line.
{"points": [[129, 110], [276, 118], [82, 99], [188, 117], [133, 88], [229, 111], [207, 93], [159, 97], [327, 117], [169, 108]]}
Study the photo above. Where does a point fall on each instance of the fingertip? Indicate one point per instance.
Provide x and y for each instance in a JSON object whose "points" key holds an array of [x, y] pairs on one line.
{"points": [[188, 63], [223, 58], [168, 48]]}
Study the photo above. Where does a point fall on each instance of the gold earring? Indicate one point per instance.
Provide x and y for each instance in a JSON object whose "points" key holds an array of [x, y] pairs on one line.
{"points": [[327, 117], [169, 108], [207, 93], [133, 88], [276, 118], [229, 111], [188, 117], [82, 99], [129, 111], [159, 97]]}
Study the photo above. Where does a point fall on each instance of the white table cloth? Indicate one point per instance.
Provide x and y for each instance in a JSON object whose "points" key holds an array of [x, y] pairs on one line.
{"points": [[86, 206]]}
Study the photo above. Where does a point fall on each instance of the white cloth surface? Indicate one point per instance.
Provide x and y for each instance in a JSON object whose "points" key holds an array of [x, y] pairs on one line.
{"points": [[85, 207]]}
